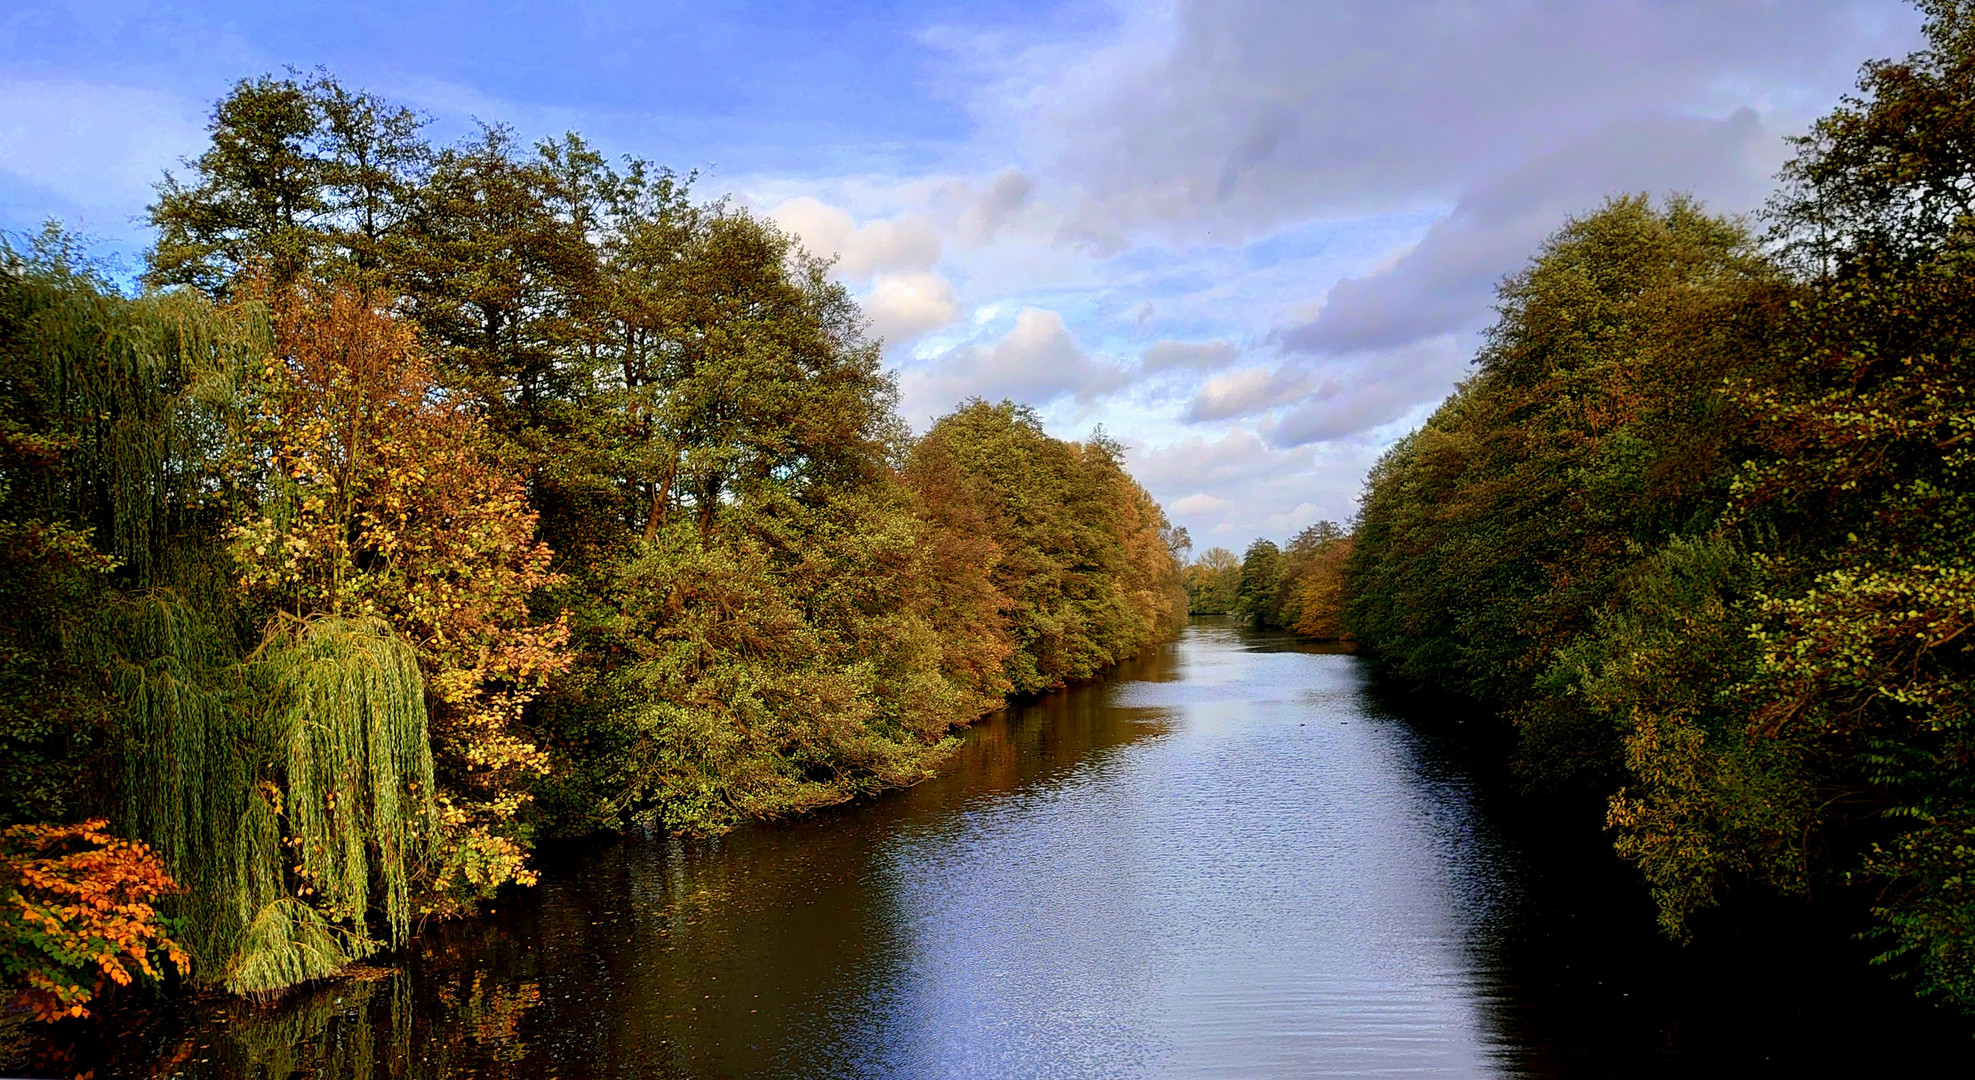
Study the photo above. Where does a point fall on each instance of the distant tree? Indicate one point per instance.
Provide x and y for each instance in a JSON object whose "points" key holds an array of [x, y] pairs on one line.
{"points": [[1313, 590], [1213, 582], [1258, 598], [1085, 561]]}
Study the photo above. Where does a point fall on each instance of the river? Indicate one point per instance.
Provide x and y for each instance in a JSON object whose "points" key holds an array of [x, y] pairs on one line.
{"points": [[1228, 859]]}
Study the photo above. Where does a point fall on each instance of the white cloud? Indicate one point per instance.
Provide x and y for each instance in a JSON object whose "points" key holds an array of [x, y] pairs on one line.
{"points": [[1244, 393], [1445, 283], [1199, 502], [1198, 463], [886, 245], [1220, 120], [984, 213], [1036, 361], [1238, 485], [905, 307]]}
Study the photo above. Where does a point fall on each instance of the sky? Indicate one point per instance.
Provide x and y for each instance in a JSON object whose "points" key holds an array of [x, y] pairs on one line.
{"points": [[1256, 242]]}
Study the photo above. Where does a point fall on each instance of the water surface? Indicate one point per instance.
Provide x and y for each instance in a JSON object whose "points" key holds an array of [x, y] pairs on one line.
{"points": [[1225, 860]]}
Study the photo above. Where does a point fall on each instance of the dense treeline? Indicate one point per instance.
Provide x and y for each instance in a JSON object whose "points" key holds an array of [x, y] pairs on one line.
{"points": [[429, 500], [1299, 588], [1699, 523]]}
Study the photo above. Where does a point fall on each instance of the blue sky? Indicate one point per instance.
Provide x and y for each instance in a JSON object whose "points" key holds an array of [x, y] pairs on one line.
{"points": [[1256, 241]]}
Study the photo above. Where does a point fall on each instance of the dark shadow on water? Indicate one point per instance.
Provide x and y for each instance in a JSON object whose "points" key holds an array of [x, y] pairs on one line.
{"points": [[1581, 982]]}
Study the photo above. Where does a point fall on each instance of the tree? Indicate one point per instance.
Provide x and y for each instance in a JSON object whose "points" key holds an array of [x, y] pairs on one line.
{"points": [[74, 898], [1864, 660], [1085, 562], [438, 496], [1258, 598], [1212, 582], [300, 177], [377, 498], [1314, 582], [1595, 427]]}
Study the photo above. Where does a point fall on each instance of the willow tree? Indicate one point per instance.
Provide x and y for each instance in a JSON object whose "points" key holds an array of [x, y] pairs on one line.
{"points": [[110, 410], [286, 790], [377, 497], [282, 771]]}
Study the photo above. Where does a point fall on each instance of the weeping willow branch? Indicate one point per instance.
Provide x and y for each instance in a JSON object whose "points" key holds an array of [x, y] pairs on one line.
{"points": [[291, 792]]}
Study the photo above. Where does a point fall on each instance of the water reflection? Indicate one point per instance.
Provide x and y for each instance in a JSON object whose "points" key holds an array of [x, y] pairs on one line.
{"points": [[1226, 860]]}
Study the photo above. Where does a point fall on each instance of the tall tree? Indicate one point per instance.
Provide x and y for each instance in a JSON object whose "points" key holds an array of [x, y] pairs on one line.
{"points": [[1863, 647], [301, 176], [376, 497]]}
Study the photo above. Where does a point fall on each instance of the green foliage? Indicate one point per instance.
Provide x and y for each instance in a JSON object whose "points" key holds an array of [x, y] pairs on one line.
{"points": [[1701, 526], [300, 174], [1085, 558], [283, 789], [1661, 674], [1298, 588], [357, 782], [1863, 647], [1595, 429], [301, 770], [276, 526], [1258, 596], [1213, 582], [107, 414]]}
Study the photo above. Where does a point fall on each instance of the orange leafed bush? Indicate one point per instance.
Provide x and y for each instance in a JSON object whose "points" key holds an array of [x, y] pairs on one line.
{"points": [[76, 910]]}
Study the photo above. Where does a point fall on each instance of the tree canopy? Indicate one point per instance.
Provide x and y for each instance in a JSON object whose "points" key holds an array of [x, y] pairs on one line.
{"points": [[1699, 523], [433, 499]]}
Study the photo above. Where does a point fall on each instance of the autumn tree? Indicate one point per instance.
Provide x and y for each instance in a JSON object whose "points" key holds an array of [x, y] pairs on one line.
{"points": [[1863, 654], [1086, 562], [378, 499], [78, 913]]}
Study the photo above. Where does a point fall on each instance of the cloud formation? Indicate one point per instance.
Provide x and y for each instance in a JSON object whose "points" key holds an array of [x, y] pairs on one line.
{"points": [[1253, 238], [983, 213], [1222, 119], [892, 244], [1245, 393], [1037, 361], [1188, 355], [905, 307], [1446, 283]]}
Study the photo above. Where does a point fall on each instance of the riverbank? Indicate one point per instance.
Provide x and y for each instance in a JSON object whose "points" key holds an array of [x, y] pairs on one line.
{"points": [[1231, 857]]}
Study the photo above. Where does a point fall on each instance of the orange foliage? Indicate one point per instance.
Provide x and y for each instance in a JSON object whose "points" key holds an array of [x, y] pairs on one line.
{"points": [[77, 898], [1320, 593], [385, 502]]}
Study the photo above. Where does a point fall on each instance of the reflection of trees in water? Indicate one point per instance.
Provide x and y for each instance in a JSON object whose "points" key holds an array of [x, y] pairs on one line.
{"points": [[371, 1026], [1569, 971], [375, 1023], [757, 954], [490, 1015], [341, 1030]]}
